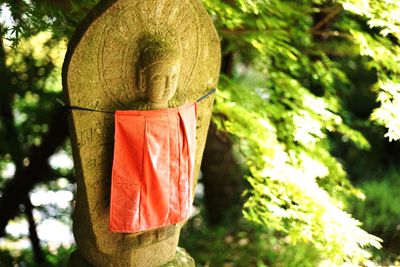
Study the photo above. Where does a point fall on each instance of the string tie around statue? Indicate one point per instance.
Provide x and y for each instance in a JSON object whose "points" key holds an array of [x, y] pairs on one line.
{"points": [[68, 107]]}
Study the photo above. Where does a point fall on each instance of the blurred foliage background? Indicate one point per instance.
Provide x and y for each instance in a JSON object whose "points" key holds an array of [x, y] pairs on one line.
{"points": [[301, 162]]}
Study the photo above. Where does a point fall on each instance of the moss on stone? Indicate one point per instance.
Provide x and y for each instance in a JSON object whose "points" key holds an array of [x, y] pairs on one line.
{"points": [[157, 47], [182, 259]]}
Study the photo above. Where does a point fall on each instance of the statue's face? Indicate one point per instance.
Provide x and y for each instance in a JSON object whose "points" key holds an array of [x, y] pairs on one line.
{"points": [[161, 81]]}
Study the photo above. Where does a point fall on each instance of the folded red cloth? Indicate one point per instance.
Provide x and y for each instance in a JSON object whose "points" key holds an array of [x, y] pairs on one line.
{"points": [[152, 176]]}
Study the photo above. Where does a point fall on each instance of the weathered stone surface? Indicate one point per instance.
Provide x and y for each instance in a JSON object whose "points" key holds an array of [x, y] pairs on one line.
{"points": [[101, 72], [76, 260]]}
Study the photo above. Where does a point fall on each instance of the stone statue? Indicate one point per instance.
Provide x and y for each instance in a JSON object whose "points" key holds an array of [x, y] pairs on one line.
{"points": [[126, 55]]}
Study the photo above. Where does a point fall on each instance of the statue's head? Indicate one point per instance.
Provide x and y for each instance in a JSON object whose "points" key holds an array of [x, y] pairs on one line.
{"points": [[159, 67]]}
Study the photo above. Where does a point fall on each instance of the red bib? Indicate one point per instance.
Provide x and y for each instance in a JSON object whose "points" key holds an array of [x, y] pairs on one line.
{"points": [[152, 176]]}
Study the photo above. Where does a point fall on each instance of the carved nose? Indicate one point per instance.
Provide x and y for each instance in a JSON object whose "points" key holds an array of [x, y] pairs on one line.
{"points": [[168, 82]]}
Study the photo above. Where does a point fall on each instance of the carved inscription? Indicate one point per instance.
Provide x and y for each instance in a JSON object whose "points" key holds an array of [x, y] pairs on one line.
{"points": [[100, 131]]}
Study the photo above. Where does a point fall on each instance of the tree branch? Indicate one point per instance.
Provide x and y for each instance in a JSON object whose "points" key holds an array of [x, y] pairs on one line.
{"points": [[327, 18], [60, 4], [327, 34]]}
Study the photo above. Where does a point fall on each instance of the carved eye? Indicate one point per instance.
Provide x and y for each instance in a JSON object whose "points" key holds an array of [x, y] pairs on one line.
{"points": [[157, 78]]}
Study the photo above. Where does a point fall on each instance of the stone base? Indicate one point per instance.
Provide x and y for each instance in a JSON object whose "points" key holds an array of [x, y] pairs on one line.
{"points": [[182, 259]]}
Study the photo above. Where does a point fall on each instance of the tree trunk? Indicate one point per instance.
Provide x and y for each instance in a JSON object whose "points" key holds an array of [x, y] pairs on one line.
{"points": [[33, 236], [222, 176]]}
